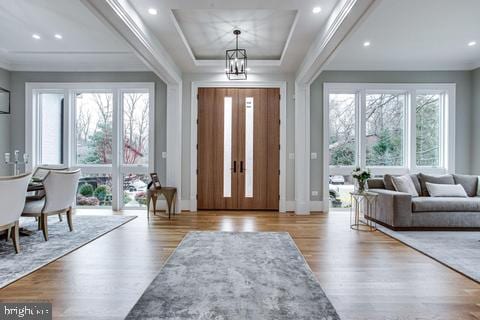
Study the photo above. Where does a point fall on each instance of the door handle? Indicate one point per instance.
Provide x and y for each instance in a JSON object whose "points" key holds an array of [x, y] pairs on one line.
{"points": [[234, 166], [241, 166]]}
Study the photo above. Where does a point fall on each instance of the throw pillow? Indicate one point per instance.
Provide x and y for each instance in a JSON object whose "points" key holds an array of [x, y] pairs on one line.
{"points": [[469, 183], [424, 178], [405, 184], [446, 190], [387, 180]]}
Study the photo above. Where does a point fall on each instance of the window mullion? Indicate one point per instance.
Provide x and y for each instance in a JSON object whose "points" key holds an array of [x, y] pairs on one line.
{"points": [[412, 130], [361, 129]]}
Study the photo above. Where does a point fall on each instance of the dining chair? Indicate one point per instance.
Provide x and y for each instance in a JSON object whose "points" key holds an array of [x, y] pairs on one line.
{"points": [[39, 175], [60, 192], [12, 199]]}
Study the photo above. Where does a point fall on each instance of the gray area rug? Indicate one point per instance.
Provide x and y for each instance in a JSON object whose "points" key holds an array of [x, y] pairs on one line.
{"points": [[224, 275], [35, 252], [459, 250]]}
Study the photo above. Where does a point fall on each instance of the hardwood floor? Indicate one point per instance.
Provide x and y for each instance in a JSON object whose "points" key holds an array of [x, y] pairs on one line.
{"points": [[365, 275]]}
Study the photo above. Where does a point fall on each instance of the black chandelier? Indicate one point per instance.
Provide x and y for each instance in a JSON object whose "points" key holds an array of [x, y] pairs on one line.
{"points": [[236, 61]]}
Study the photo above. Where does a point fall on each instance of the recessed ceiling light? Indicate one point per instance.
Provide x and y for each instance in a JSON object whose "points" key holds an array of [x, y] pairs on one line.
{"points": [[366, 44], [472, 43], [152, 11], [58, 36], [316, 10], [35, 36]]}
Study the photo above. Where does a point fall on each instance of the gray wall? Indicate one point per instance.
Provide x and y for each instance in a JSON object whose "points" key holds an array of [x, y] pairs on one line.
{"points": [[476, 122], [18, 80], [4, 124], [186, 125], [464, 111]]}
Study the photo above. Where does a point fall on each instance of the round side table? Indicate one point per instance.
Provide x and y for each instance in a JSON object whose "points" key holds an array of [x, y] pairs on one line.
{"points": [[363, 211]]}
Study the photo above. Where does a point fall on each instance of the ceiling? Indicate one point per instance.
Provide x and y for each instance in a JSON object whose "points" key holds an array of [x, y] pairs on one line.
{"points": [[264, 32], [414, 35], [196, 33], [86, 43]]}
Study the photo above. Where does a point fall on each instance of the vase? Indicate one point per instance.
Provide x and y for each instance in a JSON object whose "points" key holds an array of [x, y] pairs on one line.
{"points": [[360, 186]]}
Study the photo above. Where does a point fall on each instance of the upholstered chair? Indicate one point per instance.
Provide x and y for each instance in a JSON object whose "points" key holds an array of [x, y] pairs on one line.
{"points": [[60, 192], [12, 198], [39, 174]]}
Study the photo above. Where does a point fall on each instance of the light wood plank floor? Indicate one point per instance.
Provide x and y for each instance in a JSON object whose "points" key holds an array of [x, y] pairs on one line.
{"points": [[365, 275]]}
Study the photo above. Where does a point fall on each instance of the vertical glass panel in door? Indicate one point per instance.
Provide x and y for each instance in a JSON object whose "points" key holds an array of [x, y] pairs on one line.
{"points": [[249, 113], [93, 123], [135, 128], [227, 147], [385, 127], [50, 113], [428, 124], [342, 129]]}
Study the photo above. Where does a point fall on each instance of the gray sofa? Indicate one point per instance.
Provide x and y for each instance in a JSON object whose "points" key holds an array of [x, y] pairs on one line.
{"points": [[401, 211]]}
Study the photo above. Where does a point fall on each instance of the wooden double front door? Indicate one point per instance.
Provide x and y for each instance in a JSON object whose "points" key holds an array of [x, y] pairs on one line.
{"points": [[238, 148]]}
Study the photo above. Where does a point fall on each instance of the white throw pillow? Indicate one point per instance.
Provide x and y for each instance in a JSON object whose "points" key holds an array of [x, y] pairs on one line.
{"points": [[446, 190], [405, 184]]}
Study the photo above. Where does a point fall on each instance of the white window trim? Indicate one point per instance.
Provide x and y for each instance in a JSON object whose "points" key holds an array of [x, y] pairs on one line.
{"points": [[68, 89], [447, 161]]}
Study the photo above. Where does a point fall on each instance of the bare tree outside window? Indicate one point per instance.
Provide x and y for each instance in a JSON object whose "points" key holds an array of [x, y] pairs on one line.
{"points": [[428, 121], [135, 128], [94, 128], [342, 129], [385, 125]]}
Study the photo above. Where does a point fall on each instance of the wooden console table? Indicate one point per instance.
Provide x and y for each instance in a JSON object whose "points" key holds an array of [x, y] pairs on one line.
{"points": [[170, 194]]}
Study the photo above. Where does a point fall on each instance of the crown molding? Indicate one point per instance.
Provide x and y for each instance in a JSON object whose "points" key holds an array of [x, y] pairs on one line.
{"points": [[214, 62], [341, 22], [121, 17]]}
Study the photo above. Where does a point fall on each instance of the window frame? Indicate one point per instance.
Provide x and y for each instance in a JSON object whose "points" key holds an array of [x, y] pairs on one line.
{"points": [[447, 153], [117, 169]]}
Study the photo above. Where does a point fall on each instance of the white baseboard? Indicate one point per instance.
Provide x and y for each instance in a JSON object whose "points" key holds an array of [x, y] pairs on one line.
{"points": [[316, 206], [185, 205], [289, 206]]}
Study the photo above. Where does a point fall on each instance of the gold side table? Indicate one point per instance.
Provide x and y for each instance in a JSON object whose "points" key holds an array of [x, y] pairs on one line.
{"points": [[170, 194], [364, 204]]}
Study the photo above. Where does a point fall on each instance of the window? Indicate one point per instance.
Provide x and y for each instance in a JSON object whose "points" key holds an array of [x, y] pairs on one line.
{"points": [[93, 124], [385, 126], [105, 129], [342, 144], [389, 128], [428, 129], [135, 127], [50, 130]]}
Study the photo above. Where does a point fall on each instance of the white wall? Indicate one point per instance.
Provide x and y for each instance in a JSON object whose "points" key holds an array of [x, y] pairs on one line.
{"points": [[186, 125], [4, 125]]}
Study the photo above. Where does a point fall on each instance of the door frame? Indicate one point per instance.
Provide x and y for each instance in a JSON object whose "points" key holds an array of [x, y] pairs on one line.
{"points": [[282, 85]]}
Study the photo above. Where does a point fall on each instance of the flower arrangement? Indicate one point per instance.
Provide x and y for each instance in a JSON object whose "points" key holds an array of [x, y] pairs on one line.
{"points": [[361, 176]]}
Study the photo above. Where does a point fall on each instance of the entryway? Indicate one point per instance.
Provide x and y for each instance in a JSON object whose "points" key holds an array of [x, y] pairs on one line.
{"points": [[238, 150]]}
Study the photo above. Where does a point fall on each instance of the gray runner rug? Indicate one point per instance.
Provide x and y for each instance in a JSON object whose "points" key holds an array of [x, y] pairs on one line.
{"points": [[35, 252], [227, 275]]}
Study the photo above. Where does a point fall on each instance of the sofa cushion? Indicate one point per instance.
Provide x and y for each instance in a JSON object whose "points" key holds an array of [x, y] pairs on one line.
{"points": [[405, 184], [446, 190], [469, 183], [387, 181], [424, 178], [428, 204], [416, 182]]}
